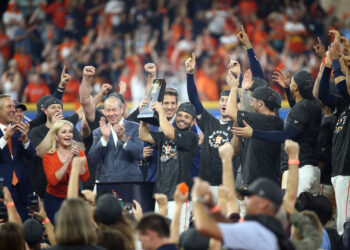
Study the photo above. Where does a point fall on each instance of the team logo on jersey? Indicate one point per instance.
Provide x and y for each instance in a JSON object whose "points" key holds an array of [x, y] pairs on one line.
{"points": [[340, 123], [218, 138], [169, 151]]}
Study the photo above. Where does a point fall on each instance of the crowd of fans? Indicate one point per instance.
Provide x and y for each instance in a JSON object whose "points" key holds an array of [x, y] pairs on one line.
{"points": [[118, 37], [247, 180]]}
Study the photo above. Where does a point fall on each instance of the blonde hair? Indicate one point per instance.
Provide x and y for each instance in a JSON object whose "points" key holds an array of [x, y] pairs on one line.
{"points": [[74, 223], [54, 131]]}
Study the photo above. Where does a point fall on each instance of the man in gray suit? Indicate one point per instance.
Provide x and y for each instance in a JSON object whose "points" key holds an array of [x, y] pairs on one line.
{"points": [[116, 144]]}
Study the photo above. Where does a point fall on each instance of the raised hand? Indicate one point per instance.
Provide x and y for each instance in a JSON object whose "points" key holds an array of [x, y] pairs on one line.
{"points": [[247, 82], [137, 210], [157, 106], [143, 103], [234, 67], [336, 35], [232, 79], [282, 79], [226, 151], [64, 78], [151, 69], [161, 199], [319, 48], [243, 38], [106, 87], [179, 197], [334, 51], [105, 128], [190, 64], [292, 149], [89, 71], [122, 87], [245, 131], [41, 215]]}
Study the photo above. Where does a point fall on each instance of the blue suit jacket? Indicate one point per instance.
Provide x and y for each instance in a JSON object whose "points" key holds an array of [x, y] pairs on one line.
{"points": [[7, 165], [118, 164]]}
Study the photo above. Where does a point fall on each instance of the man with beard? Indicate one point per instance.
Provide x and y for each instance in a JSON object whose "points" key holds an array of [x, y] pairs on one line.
{"points": [[177, 147], [216, 132], [302, 125]]}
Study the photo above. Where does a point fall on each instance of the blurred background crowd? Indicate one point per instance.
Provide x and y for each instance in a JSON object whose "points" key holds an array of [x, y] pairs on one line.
{"points": [[38, 37]]}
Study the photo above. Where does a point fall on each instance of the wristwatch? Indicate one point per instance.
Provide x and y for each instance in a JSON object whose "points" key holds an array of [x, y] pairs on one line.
{"points": [[124, 141]]}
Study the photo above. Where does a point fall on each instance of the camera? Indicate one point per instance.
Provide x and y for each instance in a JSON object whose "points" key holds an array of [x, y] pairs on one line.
{"points": [[128, 207], [33, 201]]}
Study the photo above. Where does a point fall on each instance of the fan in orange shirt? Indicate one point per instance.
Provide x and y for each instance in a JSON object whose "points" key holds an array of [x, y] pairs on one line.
{"points": [[206, 85], [35, 89], [71, 91]]}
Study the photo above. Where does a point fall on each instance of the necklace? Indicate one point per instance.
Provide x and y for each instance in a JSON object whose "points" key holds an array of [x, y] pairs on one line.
{"points": [[62, 155]]}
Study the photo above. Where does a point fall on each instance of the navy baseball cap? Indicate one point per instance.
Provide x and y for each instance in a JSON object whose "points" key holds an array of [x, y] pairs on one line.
{"points": [[264, 188], [270, 97], [188, 108], [305, 82]]}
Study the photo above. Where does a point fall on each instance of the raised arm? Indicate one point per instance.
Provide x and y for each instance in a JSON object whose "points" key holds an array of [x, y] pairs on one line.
{"points": [[233, 81], [192, 92], [253, 60], [179, 199], [247, 83], [84, 93], [284, 81], [292, 150], [12, 213], [151, 69], [78, 165], [203, 222], [166, 127], [144, 133], [323, 91], [228, 179], [41, 215]]}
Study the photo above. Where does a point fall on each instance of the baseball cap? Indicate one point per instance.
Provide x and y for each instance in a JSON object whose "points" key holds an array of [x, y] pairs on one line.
{"points": [[264, 188], [108, 209], [188, 108], [270, 97], [225, 92], [33, 231], [50, 101], [20, 105], [258, 82], [115, 94], [305, 82], [192, 240], [41, 101]]}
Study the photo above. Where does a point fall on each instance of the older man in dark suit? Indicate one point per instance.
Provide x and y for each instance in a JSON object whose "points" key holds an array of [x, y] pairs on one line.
{"points": [[14, 146], [116, 144]]}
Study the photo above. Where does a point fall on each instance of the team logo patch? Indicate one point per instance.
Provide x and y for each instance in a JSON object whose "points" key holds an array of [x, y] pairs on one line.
{"points": [[169, 151], [218, 138]]}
